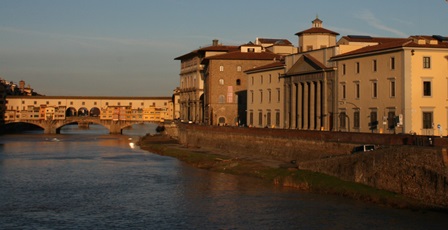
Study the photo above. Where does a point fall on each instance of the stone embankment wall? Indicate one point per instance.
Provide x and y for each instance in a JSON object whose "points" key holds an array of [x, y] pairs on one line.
{"points": [[417, 172], [402, 165]]}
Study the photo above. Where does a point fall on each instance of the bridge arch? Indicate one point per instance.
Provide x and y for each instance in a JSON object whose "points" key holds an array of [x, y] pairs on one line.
{"points": [[54, 126], [17, 127], [61, 125], [70, 112], [95, 112], [83, 112]]}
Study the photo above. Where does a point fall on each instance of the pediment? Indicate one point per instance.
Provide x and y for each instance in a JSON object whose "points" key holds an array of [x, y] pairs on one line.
{"points": [[305, 64]]}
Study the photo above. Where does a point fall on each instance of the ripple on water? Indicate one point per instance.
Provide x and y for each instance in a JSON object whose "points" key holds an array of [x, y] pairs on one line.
{"points": [[98, 182]]}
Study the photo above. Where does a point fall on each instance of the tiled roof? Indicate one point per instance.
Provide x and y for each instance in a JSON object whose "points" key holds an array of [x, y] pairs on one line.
{"points": [[368, 49], [218, 48], [237, 55], [443, 45], [398, 43], [425, 37], [316, 30], [275, 41], [273, 65], [362, 38], [251, 44]]}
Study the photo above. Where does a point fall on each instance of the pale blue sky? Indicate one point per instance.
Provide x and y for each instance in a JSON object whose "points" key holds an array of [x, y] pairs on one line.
{"points": [[127, 47]]}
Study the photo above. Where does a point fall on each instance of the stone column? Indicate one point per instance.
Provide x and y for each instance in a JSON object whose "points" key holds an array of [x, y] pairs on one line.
{"points": [[312, 124], [299, 116], [293, 105], [115, 127], [306, 111], [319, 105], [287, 106]]}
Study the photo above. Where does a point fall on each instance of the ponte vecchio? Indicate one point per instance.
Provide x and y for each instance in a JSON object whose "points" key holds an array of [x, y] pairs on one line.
{"points": [[115, 113]]}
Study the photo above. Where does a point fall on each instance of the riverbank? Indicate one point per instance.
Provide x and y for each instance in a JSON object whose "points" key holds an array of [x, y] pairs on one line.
{"points": [[279, 173]]}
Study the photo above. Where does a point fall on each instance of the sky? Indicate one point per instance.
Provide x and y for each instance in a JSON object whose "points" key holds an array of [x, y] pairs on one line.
{"points": [[127, 47]]}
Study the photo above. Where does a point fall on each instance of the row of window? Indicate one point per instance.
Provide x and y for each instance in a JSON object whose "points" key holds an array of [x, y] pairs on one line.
{"points": [[234, 97], [426, 65], [237, 82], [427, 89], [186, 82], [427, 120], [262, 79], [221, 68], [231, 98], [265, 119], [269, 96], [373, 121], [374, 66], [374, 89], [94, 103]]}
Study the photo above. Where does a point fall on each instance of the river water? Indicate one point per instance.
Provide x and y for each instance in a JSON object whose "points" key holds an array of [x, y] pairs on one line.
{"points": [[88, 179]]}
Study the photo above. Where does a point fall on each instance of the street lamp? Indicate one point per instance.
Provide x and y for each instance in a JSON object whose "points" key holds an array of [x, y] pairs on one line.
{"points": [[346, 102], [348, 118]]}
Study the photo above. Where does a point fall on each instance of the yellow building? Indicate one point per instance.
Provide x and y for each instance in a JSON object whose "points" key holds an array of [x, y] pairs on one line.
{"points": [[310, 80], [265, 103], [3, 115], [394, 85], [316, 37], [106, 108]]}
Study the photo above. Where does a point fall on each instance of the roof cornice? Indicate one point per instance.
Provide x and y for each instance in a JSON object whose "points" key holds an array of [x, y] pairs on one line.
{"points": [[336, 58]]}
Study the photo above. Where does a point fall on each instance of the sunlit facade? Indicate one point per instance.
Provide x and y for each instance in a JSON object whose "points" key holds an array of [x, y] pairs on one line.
{"points": [[397, 86]]}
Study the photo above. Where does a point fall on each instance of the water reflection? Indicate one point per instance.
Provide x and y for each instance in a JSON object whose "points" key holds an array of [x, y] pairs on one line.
{"points": [[97, 181], [134, 130]]}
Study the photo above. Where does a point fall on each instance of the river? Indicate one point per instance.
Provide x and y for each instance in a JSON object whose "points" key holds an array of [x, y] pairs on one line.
{"points": [[88, 179]]}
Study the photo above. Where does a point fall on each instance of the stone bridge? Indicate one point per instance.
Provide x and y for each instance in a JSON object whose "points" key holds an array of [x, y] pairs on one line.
{"points": [[54, 126]]}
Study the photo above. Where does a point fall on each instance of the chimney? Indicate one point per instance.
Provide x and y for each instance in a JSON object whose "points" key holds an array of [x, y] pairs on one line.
{"points": [[215, 42]]}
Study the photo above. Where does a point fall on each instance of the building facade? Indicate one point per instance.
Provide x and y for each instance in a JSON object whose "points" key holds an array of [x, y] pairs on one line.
{"points": [[265, 96], [309, 81], [2, 103], [191, 89], [59, 107], [396, 86], [316, 37], [226, 83]]}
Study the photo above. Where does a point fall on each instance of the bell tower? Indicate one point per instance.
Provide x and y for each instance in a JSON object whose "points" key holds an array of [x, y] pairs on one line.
{"points": [[316, 37]]}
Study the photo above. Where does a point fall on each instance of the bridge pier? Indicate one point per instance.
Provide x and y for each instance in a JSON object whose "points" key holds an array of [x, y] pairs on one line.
{"points": [[50, 130], [115, 128], [49, 127]]}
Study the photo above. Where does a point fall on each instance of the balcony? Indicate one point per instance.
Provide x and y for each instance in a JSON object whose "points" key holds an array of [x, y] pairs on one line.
{"points": [[191, 69], [188, 89]]}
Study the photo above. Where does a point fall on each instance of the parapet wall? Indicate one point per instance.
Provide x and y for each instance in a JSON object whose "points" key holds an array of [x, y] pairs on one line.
{"points": [[284, 144], [403, 165]]}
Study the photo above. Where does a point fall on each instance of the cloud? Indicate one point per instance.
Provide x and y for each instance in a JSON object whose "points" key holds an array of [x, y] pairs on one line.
{"points": [[348, 31], [370, 18]]}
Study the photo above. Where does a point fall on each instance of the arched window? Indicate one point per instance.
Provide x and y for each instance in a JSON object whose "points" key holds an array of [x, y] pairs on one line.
{"points": [[221, 120], [221, 99], [238, 68], [238, 82], [221, 81], [221, 68]]}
